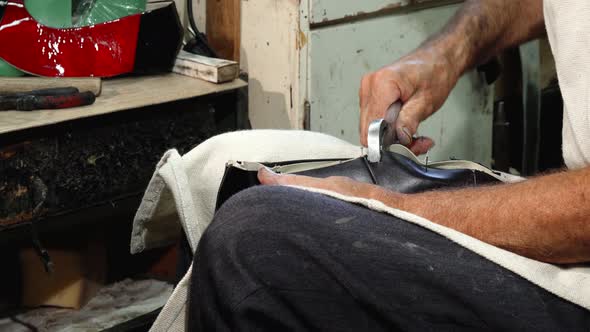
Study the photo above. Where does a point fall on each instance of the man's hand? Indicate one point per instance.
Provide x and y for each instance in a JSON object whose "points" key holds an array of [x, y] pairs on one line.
{"points": [[422, 81]]}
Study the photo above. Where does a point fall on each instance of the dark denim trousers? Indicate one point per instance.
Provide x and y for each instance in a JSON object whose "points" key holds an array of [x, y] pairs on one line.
{"points": [[281, 259]]}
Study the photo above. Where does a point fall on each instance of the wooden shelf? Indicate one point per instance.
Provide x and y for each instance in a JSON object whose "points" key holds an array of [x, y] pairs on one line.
{"points": [[118, 95], [90, 156]]}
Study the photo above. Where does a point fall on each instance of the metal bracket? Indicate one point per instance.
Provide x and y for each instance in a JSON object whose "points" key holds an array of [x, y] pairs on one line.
{"points": [[375, 140], [381, 135]]}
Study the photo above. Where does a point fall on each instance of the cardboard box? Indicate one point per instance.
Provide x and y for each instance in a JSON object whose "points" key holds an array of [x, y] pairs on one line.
{"points": [[78, 274]]}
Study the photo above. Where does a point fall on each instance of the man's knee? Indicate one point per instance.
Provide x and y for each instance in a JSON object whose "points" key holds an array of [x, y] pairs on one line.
{"points": [[252, 214], [255, 205], [249, 241]]}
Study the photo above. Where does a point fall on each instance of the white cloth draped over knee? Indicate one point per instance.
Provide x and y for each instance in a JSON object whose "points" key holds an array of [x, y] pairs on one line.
{"points": [[182, 196], [183, 190]]}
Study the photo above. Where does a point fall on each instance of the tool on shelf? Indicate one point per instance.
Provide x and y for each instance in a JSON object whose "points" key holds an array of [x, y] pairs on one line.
{"points": [[10, 85], [53, 98]]}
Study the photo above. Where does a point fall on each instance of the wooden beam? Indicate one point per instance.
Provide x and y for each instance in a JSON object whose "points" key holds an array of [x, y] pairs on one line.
{"points": [[223, 28], [119, 95], [208, 69]]}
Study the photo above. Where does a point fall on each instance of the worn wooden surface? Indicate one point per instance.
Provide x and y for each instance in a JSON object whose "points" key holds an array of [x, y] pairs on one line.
{"points": [[223, 28], [119, 95], [88, 162], [25, 84]]}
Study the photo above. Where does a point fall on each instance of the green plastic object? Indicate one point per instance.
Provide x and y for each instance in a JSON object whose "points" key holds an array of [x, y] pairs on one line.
{"points": [[54, 13], [7, 70], [108, 10]]}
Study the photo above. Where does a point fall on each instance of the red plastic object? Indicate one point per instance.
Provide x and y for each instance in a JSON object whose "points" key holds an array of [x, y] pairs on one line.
{"points": [[104, 50]]}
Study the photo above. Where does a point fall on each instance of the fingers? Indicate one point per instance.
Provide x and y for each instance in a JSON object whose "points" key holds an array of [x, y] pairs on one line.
{"points": [[421, 145], [378, 91], [365, 91], [393, 113], [409, 118], [338, 184], [267, 177], [420, 81]]}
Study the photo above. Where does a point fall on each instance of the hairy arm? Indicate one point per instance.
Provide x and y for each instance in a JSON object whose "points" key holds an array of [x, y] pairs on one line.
{"points": [[423, 79], [545, 218], [483, 28]]}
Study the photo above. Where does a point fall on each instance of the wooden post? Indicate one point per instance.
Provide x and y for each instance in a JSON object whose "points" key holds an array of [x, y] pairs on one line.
{"points": [[223, 28]]}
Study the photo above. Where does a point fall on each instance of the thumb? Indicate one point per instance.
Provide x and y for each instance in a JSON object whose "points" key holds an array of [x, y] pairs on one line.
{"points": [[408, 120], [268, 177]]}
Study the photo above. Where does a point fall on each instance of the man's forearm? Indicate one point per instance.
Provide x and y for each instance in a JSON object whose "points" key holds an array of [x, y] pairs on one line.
{"points": [[483, 28], [545, 218]]}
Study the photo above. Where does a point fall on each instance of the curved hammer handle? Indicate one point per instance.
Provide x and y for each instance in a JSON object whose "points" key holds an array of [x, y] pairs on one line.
{"points": [[382, 133]]}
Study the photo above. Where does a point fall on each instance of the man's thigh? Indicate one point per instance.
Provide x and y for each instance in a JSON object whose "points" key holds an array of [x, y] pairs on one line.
{"points": [[276, 255]]}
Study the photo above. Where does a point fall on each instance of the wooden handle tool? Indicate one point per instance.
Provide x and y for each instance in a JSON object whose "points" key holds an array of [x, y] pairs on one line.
{"points": [[12, 85]]}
